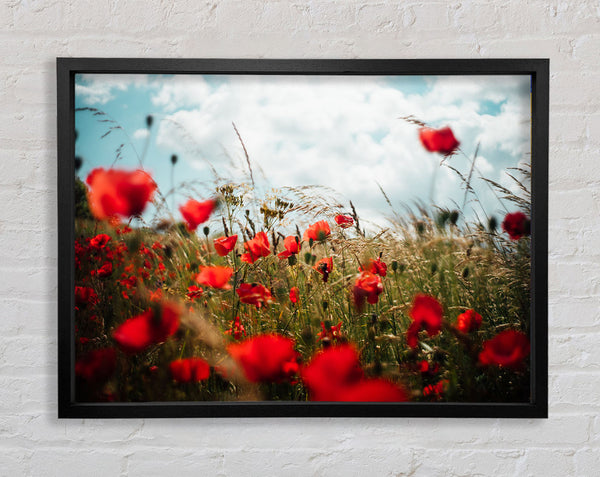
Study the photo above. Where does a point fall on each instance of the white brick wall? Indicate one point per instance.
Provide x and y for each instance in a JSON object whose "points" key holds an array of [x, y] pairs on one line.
{"points": [[33, 33]]}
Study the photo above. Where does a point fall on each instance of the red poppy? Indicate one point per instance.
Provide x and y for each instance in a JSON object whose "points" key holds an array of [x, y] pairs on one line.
{"points": [[507, 349], [344, 221], [119, 193], [195, 213], [377, 267], [426, 314], [156, 295], [224, 245], [266, 358], [318, 231], [335, 375], [105, 270], [516, 225], [189, 370], [330, 371], [151, 327], [254, 294], [215, 277], [292, 247], [256, 248], [294, 294], [437, 390], [367, 287], [97, 365], [324, 267], [237, 330], [438, 140], [468, 321], [427, 369], [85, 296], [373, 390], [194, 292], [331, 334], [99, 241]]}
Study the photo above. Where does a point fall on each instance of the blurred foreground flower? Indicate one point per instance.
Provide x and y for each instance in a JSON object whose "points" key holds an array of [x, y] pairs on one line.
{"points": [[266, 358], [438, 140], [335, 375], [189, 370], [195, 213], [117, 193], [468, 321], [151, 327], [507, 349]]}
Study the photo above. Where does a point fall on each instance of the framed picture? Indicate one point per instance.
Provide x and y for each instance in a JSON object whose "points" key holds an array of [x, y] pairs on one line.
{"points": [[302, 237]]}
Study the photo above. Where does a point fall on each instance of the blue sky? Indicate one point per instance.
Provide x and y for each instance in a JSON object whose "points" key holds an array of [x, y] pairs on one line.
{"points": [[340, 132]]}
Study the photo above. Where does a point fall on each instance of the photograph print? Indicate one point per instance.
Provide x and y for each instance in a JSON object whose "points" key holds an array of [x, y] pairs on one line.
{"points": [[302, 238]]}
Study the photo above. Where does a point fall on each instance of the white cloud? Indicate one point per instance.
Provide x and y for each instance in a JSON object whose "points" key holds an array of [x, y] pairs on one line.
{"points": [[344, 132], [98, 89], [183, 91], [141, 133]]}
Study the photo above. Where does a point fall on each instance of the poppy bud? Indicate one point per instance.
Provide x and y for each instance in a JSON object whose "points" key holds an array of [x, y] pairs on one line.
{"points": [[402, 267], [310, 242], [174, 159], [149, 121], [492, 224], [78, 162], [308, 257], [206, 230], [465, 272], [292, 260], [324, 305], [394, 265], [454, 217], [434, 268]]}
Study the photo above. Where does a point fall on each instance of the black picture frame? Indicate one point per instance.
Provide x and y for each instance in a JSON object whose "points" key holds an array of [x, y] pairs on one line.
{"points": [[67, 68]]}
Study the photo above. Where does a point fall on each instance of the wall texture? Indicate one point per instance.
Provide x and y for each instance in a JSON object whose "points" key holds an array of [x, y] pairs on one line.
{"points": [[33, 33]]}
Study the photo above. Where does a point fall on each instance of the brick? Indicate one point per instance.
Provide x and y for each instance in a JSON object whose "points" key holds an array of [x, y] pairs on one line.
{"points": [[64, 461], [547, 462], [187, 462]]}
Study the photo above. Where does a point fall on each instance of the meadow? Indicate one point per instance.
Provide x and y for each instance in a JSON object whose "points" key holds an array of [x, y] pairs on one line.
{"points": [[287, 296]]}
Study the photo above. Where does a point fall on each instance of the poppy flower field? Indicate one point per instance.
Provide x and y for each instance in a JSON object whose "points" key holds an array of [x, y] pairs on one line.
{"points": [[232, 296]]}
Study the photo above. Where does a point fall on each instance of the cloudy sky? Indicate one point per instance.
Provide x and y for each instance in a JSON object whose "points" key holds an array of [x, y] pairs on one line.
{"points": [[341, 132]]}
